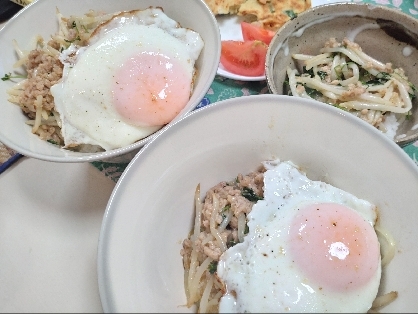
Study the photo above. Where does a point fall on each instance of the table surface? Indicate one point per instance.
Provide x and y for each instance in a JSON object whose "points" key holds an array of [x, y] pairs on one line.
{"points": [[50, 219], [51, 214]]}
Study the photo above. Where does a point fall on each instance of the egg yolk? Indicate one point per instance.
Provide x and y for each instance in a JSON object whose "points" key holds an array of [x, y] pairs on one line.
{"points": [[150, 89], [334, 246]]}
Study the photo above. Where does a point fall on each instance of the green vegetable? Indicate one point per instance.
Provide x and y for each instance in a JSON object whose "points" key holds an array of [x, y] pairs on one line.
{"points": [[213, 266], [246, 230], [9, 76], [364, 76], [377, 81], [322, 75], [71, 41], [226, 208], [384, 75], [341, 68], [338, 71], [413, 87], [380, 79], [313, 92], [52, 142], [339, 107], [250, 195], [414, 90], [310, 71], [408, 115], [291, 14]]}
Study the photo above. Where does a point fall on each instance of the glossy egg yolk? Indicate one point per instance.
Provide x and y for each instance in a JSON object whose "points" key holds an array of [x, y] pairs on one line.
{"points": [[334, 246], [150, 89]]}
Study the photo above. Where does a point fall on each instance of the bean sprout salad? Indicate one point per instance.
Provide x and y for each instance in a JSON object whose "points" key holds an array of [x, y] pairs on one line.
{"points": [[344, 76]]}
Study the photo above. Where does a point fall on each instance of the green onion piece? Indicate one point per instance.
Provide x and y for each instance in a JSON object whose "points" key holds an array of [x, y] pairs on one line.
{"points": [[9, 76], [322, 74], [213, 266], [338, 71], [52, 142], [71, 41], [313, 92], [250, 195]]}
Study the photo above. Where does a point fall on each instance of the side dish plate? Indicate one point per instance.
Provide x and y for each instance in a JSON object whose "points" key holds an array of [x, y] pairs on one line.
{"points": [[230, 29]]}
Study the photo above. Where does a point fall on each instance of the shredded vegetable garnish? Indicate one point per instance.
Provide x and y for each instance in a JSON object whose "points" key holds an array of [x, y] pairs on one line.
{"points": [[220, 223], [9, 76], [344, 76], [42, 69]]}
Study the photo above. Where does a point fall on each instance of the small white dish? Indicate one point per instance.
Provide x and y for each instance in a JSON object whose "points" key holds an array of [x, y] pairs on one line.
{"points": [[151, 211], [230, 29]]}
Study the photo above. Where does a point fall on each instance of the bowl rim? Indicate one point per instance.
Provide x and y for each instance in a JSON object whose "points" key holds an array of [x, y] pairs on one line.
{"points": [[107, 156], [104, 264], [401, 16]]}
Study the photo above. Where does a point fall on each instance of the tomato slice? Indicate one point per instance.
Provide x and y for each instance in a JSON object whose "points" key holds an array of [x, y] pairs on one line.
{"points": [[254, 32], [244, 57]]}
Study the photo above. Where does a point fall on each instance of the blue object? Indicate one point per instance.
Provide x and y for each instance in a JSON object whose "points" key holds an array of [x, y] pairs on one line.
{"points": [[204, 102], [9, 162]]}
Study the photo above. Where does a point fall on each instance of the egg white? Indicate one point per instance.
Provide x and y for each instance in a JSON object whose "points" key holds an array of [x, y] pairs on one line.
{"points": [[83, 98], [259, 274]]}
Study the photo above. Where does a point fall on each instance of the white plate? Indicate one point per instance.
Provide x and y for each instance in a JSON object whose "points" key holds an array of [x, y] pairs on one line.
{"points": [[230, 29], [150, 210]]}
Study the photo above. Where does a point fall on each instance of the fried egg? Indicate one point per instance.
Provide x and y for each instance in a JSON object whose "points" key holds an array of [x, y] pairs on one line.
{"points": [[311, 247], [134, 76]]}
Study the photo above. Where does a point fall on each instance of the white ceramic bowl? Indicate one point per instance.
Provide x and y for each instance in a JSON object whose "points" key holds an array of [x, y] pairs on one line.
{"points": [[150, 210], [385, 34], [39, 18]]}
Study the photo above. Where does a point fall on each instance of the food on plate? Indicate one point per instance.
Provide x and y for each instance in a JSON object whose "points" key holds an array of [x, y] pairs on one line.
{"points": [[224, 6], [244, 57], [105, 81], [344, 76], [262, 19], [254, 32], [276, 241], [269, 14], [247, 57], [273, 14]]}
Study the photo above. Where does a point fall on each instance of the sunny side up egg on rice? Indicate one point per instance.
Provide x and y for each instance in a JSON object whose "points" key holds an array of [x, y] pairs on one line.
{"points": [[275, 241], [105, 81]]}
